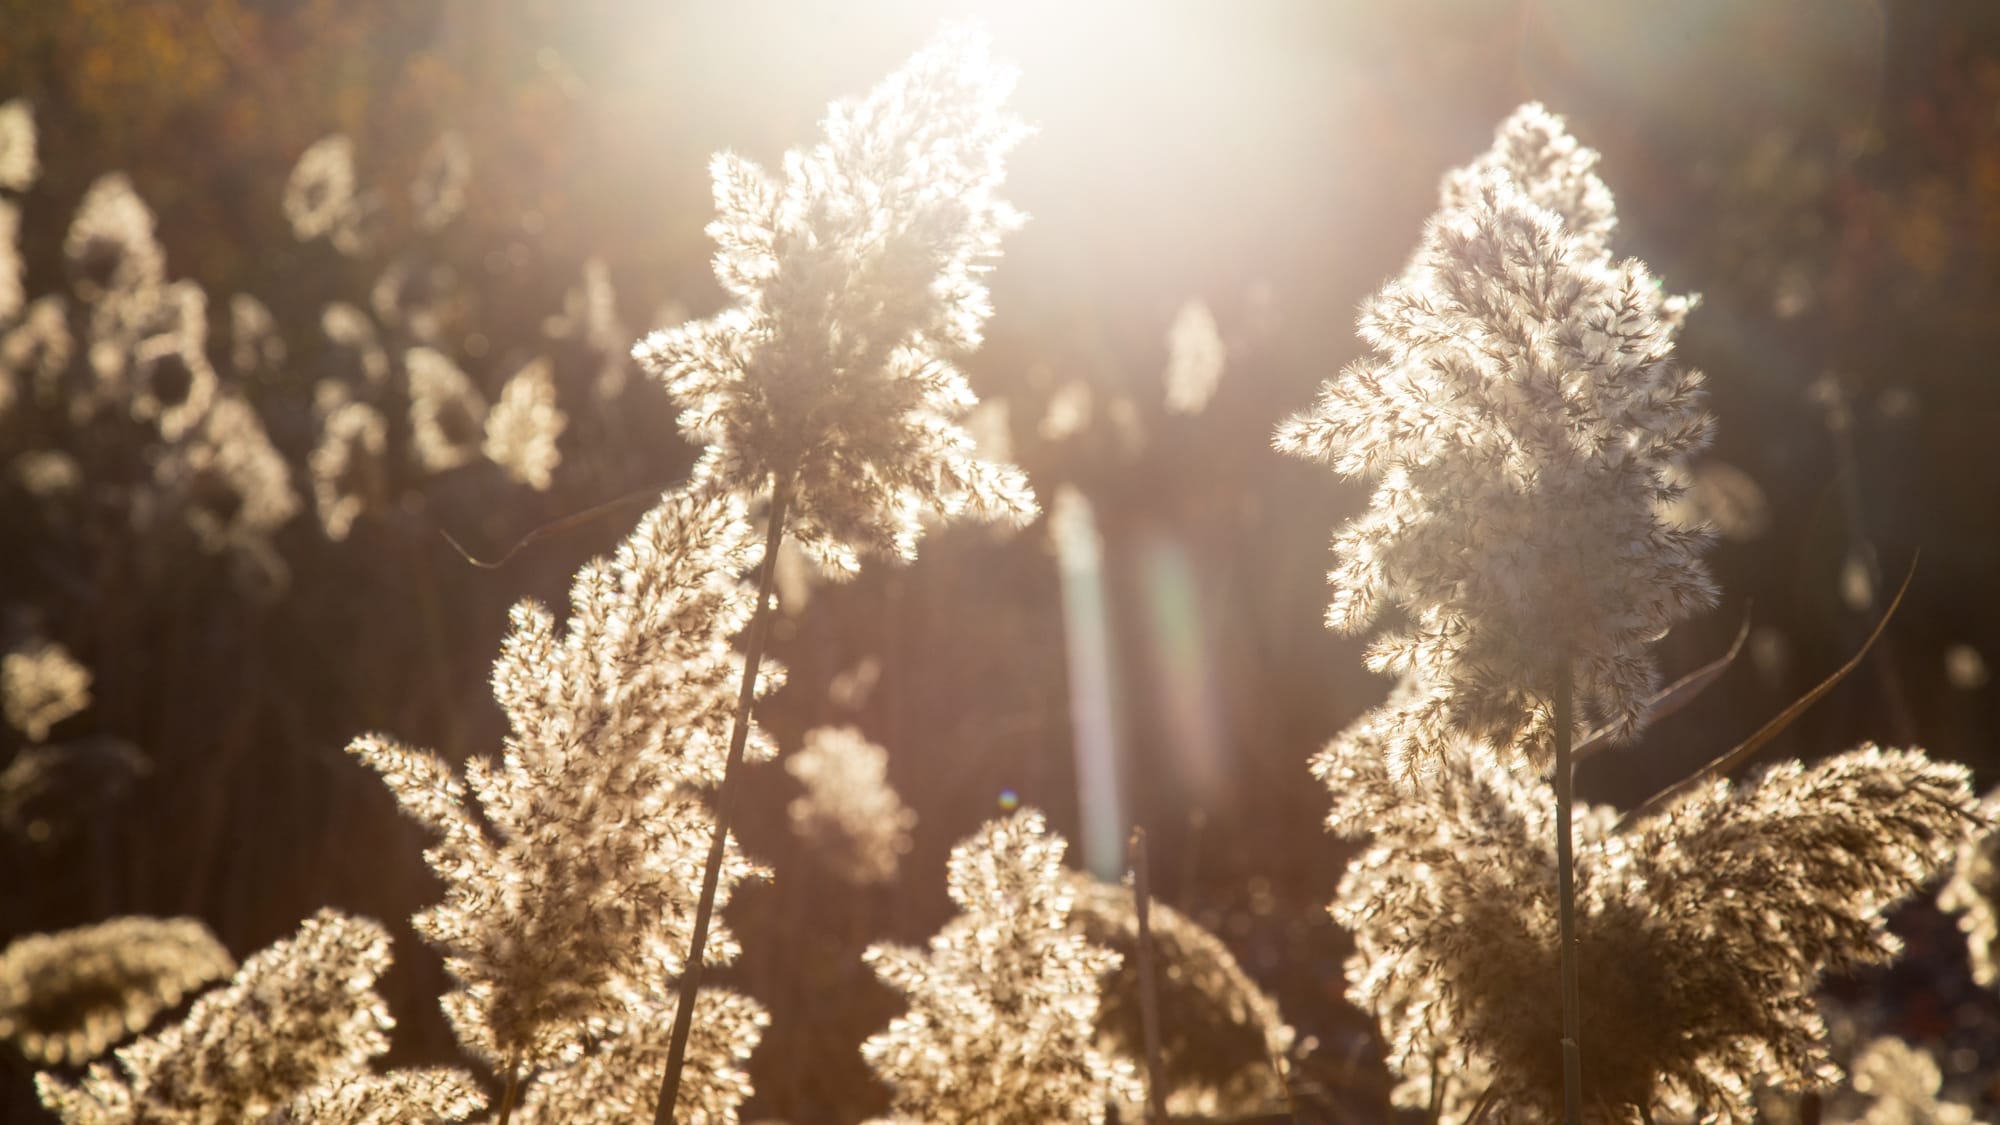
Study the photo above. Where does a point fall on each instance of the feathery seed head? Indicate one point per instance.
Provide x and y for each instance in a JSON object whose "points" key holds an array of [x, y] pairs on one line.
{"points": [[66, 997], [1702, 933], [319, 197], [618, 1080], [254, 343], [522, 427], [359, 355], [297, 1014], [18, 165], [1524, 422], [396, 1098], [572, 888], [590, 324], [1221, 1037], [349, 465], [1534, 149], [168, 379], [12, 291], [229, 482], [858, 277], [447, 413], [1003, 1003], [41, 684], [110, 245], [855, 821], [1196, 356], [1901, 1084], [39, 346], [1973, 893]]}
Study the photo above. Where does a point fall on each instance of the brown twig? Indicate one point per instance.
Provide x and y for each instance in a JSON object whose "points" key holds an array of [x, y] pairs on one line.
{"points": [[1149, 1005]]}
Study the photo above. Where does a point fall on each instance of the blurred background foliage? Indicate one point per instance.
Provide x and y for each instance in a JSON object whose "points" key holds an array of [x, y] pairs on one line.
{"points": [[1826, 173]]}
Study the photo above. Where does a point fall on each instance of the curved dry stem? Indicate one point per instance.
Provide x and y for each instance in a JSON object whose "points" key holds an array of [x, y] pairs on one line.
{"points": [[553, 527], [1676, 695], [1770, 730]]}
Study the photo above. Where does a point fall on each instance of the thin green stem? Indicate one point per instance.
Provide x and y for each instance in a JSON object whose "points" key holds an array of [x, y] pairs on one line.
{"points": [[1572, 1051], [513, 1089], [739, 736]]}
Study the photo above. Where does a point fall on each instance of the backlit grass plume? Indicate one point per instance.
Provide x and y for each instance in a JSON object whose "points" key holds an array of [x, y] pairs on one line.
{"points": [[229, 483], [1003, 1003], [35, 351], [618, 1080], [447, 412], [321, 198], [1526, 428], [41, 684], [569, 865], [19, 164], [349, 466], [1703, 932], [858, 827], [1973, 893], [396, 1098], [1901, 1084], [111, 248], [1535, 151], [830, 386], [858, 280], [1222, 1039], [67, 997], [257, 351], [522, 427], [13, 294], [297, 1015], [1522, 419]]}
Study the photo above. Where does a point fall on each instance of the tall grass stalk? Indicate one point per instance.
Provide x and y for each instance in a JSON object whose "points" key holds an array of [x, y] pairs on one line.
{"points": [[1572, 1048], [1149, 1001], [755, 635]]}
